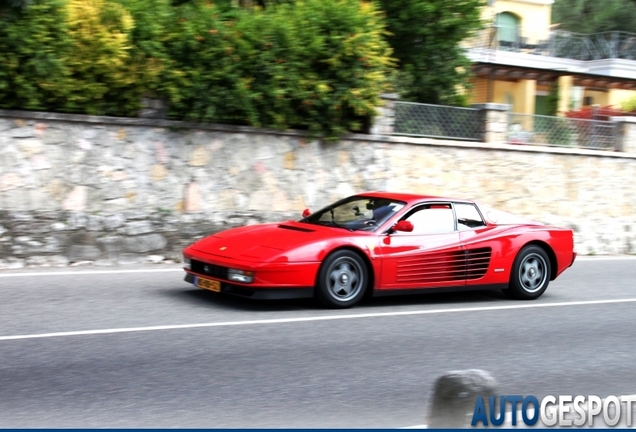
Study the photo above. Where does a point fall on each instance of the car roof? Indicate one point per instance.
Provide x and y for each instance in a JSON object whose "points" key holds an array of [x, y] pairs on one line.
{"points": [[409, 197]]}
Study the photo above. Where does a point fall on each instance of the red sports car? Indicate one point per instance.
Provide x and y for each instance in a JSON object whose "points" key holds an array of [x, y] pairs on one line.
{"points": [[380, 243]]}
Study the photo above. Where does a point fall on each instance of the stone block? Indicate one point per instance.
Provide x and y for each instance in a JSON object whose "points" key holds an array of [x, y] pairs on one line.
{"points": [[111, 244], [76, 200], [135, 228], [30, 146], [11, 181], [78, 253], [199, 157], [145, 243], [94, 223], [454, 396], [114, 221]]}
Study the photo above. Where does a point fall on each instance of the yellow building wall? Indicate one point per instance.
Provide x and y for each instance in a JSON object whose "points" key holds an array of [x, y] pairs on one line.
{"points": [[616, 97], [535, 16], [518, 94], [598, 97]]}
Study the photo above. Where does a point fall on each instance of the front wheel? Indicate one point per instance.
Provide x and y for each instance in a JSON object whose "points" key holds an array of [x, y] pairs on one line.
{"points": [[530, 274], [342, 280]]}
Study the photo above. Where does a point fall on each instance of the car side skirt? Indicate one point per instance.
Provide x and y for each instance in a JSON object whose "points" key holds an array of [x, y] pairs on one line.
{"points": [[260, 293], [458, 288]]}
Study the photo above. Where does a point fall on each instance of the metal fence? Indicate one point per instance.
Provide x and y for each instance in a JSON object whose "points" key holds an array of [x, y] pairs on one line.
{"points": [[561, 132], [606, 45], [558, 43], [437, 121]]}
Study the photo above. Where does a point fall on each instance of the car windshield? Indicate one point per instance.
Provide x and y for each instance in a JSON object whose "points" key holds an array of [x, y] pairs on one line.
{"points": [[356, 213]]}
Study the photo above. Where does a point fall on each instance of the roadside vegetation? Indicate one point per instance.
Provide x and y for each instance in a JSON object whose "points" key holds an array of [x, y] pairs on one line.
{"points": [[593, 16], [319, 65]]}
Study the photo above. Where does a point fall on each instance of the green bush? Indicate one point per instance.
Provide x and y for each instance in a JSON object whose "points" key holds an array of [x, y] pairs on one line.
{"points": [[319, 65], [629, 105], [109, 72], [33, 74], [73, 56]]}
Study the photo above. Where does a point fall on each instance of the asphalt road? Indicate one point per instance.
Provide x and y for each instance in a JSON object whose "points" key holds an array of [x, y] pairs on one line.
{"points": [[111, 347]]}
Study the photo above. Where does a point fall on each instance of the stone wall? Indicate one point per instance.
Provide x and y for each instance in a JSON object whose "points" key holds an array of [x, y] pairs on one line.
{"points": [[77, 189]]}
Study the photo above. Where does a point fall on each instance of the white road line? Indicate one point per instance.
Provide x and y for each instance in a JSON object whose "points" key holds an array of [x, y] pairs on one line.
{"points": [[605, 258], [319, 318], [88, 272]]}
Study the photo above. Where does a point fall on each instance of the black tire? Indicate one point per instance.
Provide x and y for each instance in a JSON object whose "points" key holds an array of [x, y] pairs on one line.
{"points": [[342, 280], [530, 274]]}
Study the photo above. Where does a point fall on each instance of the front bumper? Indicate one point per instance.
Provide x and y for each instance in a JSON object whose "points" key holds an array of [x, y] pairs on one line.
{"points": [[260, 293]]}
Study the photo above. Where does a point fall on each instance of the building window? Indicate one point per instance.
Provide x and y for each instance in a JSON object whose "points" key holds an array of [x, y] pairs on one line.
{"points": [[507, 29]]}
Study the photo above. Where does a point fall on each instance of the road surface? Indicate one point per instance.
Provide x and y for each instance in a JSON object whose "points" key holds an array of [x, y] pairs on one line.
{"points": [[138, 347]]}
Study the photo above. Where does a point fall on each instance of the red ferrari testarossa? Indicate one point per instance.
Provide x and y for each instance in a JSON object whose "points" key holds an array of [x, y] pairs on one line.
{"points": [[381, 243]]}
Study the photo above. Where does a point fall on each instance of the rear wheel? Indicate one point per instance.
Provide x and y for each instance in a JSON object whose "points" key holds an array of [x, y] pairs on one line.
{"points": [[530, 274], [342, 280]]}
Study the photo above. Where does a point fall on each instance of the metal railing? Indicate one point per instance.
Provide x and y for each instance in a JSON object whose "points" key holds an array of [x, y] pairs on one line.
{"points": [[606, 45], [437, 121], [561, 132], [561, 44]]}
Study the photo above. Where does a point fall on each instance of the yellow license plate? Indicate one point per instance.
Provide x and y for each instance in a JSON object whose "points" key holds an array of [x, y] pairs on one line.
{"points": [[209, 284]]}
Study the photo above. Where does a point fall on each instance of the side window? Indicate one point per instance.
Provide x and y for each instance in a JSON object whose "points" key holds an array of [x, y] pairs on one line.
{"points": [[432, 219], [468, 217]]}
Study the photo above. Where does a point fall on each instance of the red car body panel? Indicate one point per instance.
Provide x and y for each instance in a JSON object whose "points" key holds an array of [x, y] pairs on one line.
{"points": [[288, 255]]}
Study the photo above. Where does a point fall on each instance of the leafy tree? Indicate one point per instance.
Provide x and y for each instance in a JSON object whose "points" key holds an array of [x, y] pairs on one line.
{"points": [[148, 39], [318, 64], [33, 39], [314, 64], [107, 79], [593, 16], [15, 3], [425, 36]]}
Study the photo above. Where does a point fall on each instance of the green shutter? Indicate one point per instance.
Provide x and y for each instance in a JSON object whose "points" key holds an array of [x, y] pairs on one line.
{"points": [[507, 27]]}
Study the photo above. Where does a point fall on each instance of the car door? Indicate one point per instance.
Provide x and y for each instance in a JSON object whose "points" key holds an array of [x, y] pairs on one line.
{"points": [[482, 244], [428, 257]]}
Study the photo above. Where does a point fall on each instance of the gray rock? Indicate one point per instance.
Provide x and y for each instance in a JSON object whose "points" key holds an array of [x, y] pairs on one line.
{"points": [[138, 227], [76, 220], [155, 259], [145, 243], [37, 261], [129, 258], [11, 263], [111, 244], [454, 397], [22, 132], [78, 253], [94, 223], [58, 226], [20, 216], [58, 260], [114, 221], [54, 136]]}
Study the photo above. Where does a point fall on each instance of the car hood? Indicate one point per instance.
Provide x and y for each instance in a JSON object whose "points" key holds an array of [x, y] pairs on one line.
{"points": [[262, 242]]}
